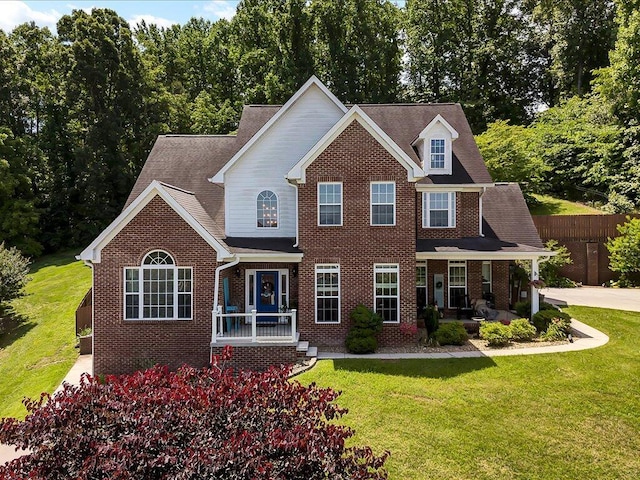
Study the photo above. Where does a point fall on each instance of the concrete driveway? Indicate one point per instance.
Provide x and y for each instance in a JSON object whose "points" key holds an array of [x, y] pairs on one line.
{"points": [[616, 298]]}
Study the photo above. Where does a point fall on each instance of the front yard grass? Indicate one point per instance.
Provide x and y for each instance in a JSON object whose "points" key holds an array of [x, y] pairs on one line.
{"points": [[37, 342], [554, 416]]}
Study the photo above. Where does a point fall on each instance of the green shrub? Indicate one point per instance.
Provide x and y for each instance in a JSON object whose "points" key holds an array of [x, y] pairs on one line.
{"points": [[495, 333], [523, 309], [522, 330], [14, 269], [359, 344], [451, 334], [543, 318], [554, 332], [431, 317], [366, 324]]}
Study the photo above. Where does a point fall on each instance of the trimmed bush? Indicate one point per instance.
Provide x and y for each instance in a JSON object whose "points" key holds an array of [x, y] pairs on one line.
{"points": [[431, 318], [543, 318], [366, 324], [189, 424], [522, 330], [523, 309], [451, 334], [495, 333]]}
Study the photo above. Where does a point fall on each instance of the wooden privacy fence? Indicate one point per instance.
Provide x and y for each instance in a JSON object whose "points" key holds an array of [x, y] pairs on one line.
{"points": [[83, 313], [585, 237]]}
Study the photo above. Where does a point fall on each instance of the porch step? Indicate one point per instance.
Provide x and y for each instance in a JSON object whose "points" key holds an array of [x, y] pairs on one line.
{"points": [[302, 346], [312, 352]]}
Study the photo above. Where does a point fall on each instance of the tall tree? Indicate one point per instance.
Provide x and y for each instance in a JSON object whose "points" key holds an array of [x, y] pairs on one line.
{"points": [[357, 48], [109, 122]]}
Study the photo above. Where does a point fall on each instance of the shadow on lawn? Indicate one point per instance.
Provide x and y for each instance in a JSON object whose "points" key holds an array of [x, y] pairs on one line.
{"points": [[418, 368], [12, 327], [56, 260]]}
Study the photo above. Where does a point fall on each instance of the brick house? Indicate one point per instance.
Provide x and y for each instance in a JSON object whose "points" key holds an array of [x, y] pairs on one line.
{"points": [[268, 238]]}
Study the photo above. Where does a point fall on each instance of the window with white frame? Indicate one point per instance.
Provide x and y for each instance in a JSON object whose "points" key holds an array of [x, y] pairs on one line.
{"points": [[486, 276], [383, 203], [330, 203], [437, 158], [457, 283], [421, 287], [439, 209], [327, 293], [158, 289], [267, 209], [387, 292]]}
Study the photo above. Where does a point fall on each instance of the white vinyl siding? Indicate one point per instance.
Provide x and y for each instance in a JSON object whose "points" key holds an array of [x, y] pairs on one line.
{"points": [[330, 204], [439, 209], [386, 291], [158, 289], [265, 164], [383, 203], [327, 293]]}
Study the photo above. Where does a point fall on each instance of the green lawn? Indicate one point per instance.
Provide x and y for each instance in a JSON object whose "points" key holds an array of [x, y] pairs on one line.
{"points": [[557, 416], [37, 344], [556, 206]]}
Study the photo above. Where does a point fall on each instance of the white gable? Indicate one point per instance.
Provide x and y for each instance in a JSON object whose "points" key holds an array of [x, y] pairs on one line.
{"points": [[267, 158], [438, 130]]}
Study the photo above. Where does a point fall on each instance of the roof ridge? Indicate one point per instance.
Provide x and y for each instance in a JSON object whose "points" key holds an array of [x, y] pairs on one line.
{"points": [[173, 187], [215, 135]]}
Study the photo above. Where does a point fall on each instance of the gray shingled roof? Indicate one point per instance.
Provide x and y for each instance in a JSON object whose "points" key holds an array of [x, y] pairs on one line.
{"points": [[261, 245], [187, 161]]}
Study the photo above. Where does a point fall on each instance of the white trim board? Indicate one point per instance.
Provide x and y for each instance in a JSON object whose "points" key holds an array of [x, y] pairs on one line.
{"points": [[93, 252]]}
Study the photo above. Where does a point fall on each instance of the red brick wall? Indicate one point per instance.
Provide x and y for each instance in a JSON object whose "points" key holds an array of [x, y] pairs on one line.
{"points": [[467, 218], [123, 346], [259, 358], [355, 159]]}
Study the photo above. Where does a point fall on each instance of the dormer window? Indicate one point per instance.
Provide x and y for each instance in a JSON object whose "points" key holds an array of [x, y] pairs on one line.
{"points": [[434, 146], [437, 153], [267, 210]]}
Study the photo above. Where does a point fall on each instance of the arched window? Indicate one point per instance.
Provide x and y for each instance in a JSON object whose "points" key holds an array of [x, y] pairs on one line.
{"points": [[157, 289], [267, 210]]}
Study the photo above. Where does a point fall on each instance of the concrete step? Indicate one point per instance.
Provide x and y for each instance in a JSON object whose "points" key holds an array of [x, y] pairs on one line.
{"points": [[302, 346], [312, 352]]}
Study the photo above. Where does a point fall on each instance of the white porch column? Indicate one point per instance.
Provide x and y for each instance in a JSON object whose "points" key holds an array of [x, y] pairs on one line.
{"points": [[535, 298]]}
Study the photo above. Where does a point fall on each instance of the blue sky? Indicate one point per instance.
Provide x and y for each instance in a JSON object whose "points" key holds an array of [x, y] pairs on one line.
{"points": [[163, 13]]}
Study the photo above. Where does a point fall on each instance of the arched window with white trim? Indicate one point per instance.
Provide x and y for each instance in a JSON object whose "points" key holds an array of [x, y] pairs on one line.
{"points": [[158, 289], [267, 209]]}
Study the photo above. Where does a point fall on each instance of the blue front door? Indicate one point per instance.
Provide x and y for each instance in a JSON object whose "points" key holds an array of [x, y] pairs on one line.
{"points": [[267, 293]]}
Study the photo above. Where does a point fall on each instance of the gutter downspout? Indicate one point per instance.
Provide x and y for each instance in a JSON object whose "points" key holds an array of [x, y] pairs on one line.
{"points": [[216, 290], [297, 208], [484, 189]]}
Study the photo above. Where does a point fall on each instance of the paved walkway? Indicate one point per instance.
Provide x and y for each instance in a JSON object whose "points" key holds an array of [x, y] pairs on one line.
{"points": [[82, 365], [590, 338], [617, 298]]}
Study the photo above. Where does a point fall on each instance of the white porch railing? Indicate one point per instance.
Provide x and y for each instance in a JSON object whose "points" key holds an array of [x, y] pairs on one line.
{"points": [[253, 327]]}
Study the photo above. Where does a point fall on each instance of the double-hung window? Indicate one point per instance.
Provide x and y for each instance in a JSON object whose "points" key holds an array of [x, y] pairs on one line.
{"points": [[439, 209], [387, 292], [437, 158], [330, 203], [486, 277], [158, 289], [383, 203], [457, 283], [421, 287], [327, 293]]}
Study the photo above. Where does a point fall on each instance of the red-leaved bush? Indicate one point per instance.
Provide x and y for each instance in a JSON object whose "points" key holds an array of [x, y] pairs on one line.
{"points": [[190, 424]]}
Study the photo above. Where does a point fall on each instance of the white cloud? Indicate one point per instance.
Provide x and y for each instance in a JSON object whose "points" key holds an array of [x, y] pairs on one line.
{"points": [[76, 7], [149, 19], [15, 13], [221, 9]]}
